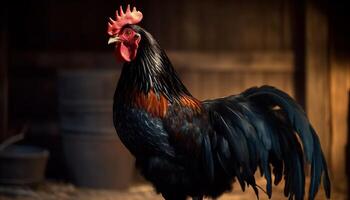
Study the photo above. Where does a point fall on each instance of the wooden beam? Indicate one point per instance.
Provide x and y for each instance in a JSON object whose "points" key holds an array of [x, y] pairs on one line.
{"points": [[340, 88], [317, 74], [3, 71], [190, 60], [232, 61], [298, 38]]}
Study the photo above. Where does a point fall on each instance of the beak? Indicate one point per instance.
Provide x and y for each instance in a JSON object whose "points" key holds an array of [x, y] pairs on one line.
{"points": [[113, 39]]}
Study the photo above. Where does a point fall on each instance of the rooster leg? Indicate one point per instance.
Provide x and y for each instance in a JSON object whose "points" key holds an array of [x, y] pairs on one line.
{"points": [[197, 198]]}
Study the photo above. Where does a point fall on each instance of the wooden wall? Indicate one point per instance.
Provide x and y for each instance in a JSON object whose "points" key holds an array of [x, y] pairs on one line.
{"points": [[221, 25], [251, 35], [340, 91], [339, 88], [327, 81], [208, 75], [231, 74], [3, 71], [219, 48], [317, 74], [179, 25], [224, 47]]}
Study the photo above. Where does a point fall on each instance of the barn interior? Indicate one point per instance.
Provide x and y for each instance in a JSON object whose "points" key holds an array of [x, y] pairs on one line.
{"points": [[58, 76]]}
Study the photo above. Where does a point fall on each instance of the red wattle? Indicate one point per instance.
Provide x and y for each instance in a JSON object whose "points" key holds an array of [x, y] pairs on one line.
{"points": [[126, 53]]}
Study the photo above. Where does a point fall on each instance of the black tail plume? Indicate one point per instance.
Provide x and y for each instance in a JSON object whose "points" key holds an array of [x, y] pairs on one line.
{"points": [[270, 97]]}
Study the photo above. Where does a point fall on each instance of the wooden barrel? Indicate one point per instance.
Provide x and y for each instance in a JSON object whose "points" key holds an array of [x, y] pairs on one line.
{"points": [[94, 155]]}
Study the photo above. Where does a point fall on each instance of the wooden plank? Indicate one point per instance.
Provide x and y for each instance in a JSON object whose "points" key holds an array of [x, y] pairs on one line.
{"points": [[298, 40], [195, 60], [190, 30], [281, 80], [233, 61], [3, 72], [317, 74], [340, 87], [210, 25], [347, 154], [204, 85], [231, 83]]}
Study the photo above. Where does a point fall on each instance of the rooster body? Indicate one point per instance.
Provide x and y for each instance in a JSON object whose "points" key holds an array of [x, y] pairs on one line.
{"points": [[186, 147]]}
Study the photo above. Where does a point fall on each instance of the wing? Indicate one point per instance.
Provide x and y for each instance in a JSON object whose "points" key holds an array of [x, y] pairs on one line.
{"points": [[189, 134], [261, 128]]}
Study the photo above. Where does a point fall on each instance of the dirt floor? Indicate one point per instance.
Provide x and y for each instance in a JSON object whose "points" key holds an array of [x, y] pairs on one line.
{"points": [[62, 191]]}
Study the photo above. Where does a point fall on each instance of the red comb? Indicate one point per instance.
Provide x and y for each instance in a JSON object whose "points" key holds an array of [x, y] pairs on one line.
{"points": [[129, 17]]}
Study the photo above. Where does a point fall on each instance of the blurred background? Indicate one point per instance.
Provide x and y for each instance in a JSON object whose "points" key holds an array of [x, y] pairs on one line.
{"points": [[58, 75]]}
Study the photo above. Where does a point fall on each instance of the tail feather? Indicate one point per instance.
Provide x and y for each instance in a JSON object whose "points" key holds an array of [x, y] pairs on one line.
{"points": [[326, 181], [262, 127], [271, 97], [292, 158], [318, 167]]}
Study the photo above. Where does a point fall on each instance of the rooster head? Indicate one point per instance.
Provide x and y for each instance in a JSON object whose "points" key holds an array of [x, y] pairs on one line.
{"points": [[125, 38]]}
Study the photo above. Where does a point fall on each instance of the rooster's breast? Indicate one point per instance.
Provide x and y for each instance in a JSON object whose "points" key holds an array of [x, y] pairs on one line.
{"points": [[140, 132]]}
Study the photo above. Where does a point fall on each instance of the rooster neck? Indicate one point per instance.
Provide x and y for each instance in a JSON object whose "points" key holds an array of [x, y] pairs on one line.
{"points": [[151, 71], [148, 75], [150, 82], [153, 90]]}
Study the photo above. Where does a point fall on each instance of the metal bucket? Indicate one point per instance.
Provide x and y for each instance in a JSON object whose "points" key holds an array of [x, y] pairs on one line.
{"points": [[86, 100], [22, 164], [98, 161]]}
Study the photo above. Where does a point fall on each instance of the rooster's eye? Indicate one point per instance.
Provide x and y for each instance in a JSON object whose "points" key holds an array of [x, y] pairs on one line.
{"points": [[127, 32]]}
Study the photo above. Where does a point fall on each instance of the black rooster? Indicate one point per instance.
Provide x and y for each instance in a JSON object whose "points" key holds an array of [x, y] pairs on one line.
{"points": [[187, 147]]}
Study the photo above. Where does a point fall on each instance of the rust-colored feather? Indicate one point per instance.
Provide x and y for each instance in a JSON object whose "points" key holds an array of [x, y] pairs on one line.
{"points": [[156, 106], [191, 102]]}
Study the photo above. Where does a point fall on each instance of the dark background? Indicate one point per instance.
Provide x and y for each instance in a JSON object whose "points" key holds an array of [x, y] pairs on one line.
{"points": [[219, 48]]}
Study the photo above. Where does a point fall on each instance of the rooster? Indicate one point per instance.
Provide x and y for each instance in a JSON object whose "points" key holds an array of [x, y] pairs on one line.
{"points": [[191, 148]]}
